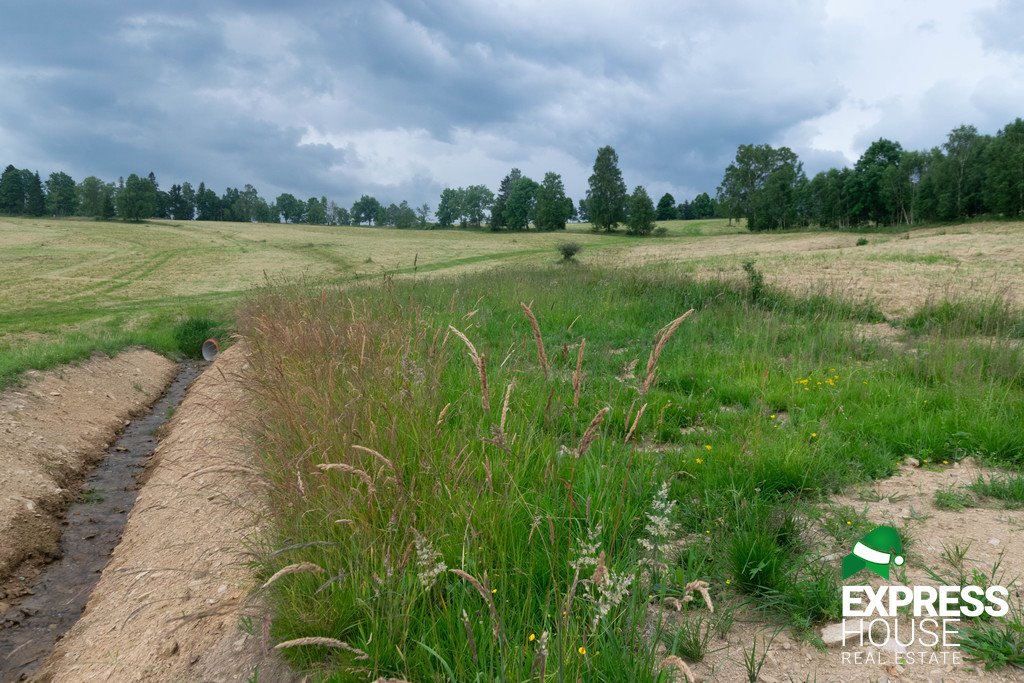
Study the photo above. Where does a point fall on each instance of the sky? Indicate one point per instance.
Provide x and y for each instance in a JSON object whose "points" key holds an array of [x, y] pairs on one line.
{"points": [[401, 99]]}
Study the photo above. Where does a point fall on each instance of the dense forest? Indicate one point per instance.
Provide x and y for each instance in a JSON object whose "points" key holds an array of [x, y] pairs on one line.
{"points": [[969, 175]]}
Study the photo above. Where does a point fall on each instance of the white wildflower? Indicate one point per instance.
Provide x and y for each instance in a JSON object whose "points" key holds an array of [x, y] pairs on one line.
{"points": [[428, 562], [661, 534], [586, 554], [610, 592]]}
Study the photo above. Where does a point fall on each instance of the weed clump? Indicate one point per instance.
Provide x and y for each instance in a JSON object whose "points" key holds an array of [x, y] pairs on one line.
{"points": [[569, 250], [190, 333]]}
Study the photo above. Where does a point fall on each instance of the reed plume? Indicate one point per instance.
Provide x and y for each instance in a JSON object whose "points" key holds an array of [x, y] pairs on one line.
{"points": [[478, 360], [591, 433], [537, 339], [660, 339]]}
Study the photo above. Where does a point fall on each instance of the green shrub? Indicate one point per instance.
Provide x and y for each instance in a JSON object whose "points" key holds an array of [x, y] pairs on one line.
{"points": [[191, 332]]}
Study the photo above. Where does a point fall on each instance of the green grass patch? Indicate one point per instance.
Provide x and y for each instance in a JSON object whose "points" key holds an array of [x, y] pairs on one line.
{"points": [[993, 317], [1007, 488], [572, 500]]}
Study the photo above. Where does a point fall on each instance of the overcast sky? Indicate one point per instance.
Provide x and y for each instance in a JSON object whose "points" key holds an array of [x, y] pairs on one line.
{"points": [[400, 99]]}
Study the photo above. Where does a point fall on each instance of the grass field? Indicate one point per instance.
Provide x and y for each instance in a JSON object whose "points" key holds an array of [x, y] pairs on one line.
{"points": [[70, 287]]}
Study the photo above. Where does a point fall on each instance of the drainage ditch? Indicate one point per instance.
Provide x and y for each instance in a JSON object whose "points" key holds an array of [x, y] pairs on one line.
{"points": [[34, 623]]}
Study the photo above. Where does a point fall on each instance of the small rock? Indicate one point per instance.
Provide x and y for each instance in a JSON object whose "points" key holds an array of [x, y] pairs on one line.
{"points": [[54, 393], [993, 541], [832, 635], [169, 649], [912, 462]]}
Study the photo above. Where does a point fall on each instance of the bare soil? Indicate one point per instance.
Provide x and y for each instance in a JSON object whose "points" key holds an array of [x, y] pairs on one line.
{"points": [[995, 537], [53, 428], [174, 603]]}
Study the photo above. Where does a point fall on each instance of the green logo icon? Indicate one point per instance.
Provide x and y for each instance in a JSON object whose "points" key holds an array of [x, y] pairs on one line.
{"points": [[879, 547]]}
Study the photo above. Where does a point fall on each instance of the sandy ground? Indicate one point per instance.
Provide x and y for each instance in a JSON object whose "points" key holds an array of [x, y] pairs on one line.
{"points": [[907, 501], [172, 602], [52, 429]]}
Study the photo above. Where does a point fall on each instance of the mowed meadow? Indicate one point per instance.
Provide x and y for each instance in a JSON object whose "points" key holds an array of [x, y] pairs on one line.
{"points": [[70, 287]]}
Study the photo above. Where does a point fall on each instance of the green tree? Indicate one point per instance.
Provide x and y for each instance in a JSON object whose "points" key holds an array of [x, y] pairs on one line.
{"points": [[477, 201], [35, 199], [208, 206], [405, 216], [290, 208], [365, 210], [666, 207], [137, 200], [1004, 177], [61, 195], [188, 201], [107, 211], [522, 199], [606, 193], [449, 208], [552, 208], [641, 214], [423, 214], [868, 201], [498, 221], [316, 211], [758, 179], [703, 206], [90, 196], [12, 192], [581, 211]]}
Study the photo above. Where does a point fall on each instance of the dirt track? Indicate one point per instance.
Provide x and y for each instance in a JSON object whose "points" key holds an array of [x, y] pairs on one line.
{"points": [[170, 602], [52, 429]]}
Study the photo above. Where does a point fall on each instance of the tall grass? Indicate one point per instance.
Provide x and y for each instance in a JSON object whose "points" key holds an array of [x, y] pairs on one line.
{"points": [[532, 524]]}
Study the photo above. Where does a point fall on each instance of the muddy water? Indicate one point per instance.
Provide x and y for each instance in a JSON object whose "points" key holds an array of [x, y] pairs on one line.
{"points": [[92, 528]]}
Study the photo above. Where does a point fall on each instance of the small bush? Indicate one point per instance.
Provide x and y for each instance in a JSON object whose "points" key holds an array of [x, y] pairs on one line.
{"points": [[190, 333], [755, 279], [862, 241], [568, 250], [660, 231]]}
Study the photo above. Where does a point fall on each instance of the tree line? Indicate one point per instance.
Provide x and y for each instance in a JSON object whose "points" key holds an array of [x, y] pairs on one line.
{"points": [[969, 175], [136, 198], [521, 203]]}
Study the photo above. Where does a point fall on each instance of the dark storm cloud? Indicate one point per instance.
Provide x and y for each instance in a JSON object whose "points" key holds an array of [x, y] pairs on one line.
{"points": [[401, 99]]}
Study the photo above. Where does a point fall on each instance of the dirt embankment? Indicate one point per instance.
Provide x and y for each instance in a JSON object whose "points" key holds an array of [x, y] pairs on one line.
{"points": [[52, 429], [173, 603]]}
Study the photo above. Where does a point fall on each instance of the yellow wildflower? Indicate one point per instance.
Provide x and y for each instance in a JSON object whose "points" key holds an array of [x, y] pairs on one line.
{"points": [[699, 461], [533, 637], [582, 650]]}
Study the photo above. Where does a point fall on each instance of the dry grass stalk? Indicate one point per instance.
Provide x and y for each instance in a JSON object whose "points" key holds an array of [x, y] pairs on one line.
{"points": [[636, 423], [577, 376], [380, 458], [681, 667], [478, 360], [323, 642], [537, 339], [302, 567], [486, 595], [442, 415], [591, 433], [469, 637], [600, 572], [660, 339], [504, 407], [701, 587], [354, 471]]}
